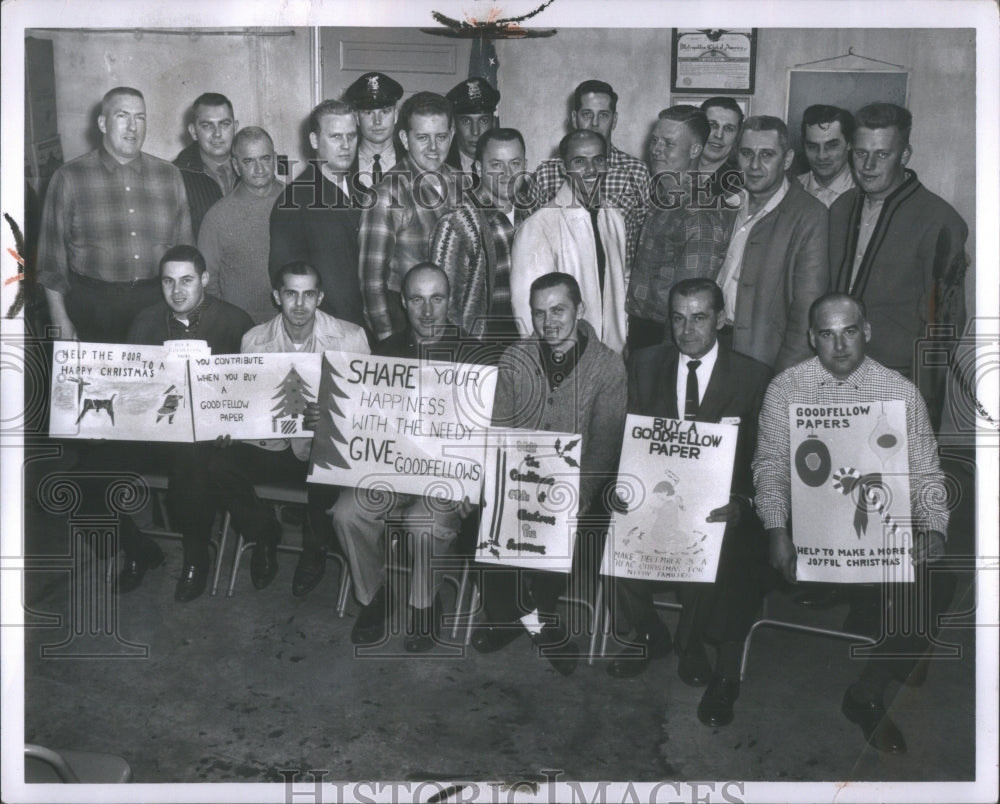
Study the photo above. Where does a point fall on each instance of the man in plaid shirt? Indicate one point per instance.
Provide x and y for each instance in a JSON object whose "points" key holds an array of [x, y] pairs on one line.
{"points": [[109, 216], [841, 374], [626, 185], [411, 198], [680, 238]]}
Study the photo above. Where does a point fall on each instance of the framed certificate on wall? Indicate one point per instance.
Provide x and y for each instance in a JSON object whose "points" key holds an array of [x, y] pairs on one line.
{"points": [[714, 60]]}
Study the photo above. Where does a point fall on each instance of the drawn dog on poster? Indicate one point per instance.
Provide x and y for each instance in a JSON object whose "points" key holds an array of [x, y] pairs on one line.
{"points": [[97, 405]]}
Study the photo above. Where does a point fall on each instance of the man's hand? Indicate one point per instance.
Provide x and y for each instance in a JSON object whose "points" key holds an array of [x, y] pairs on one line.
{"points": [[221, 442], [310, 416], [731, 513], [465, 508], [927, 545], [60, 318], [783, 556]]}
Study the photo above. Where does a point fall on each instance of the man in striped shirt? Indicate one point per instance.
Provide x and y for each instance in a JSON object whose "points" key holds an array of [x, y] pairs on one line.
{"points": [[472, 244]]}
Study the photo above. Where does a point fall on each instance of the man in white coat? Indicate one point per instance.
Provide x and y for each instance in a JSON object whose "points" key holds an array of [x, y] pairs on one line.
{"points": [[577, 234]]}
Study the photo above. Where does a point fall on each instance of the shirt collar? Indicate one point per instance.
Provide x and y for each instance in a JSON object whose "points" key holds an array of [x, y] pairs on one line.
{"points": [[856, 378], [112, 165], [772, 202], [707, 359], [194, 317]]}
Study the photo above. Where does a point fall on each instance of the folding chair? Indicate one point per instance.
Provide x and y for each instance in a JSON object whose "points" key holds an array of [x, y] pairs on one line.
{"points": [[279, 496], [766, 622]]}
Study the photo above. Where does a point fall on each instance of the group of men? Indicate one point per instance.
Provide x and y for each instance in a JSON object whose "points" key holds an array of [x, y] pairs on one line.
{"points": [[599, 284]]}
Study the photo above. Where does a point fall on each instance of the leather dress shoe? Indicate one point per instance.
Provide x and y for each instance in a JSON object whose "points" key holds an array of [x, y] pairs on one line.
{"points": [[716, 705], [656, 644], [489, 639], [421, 632], [555, 645], [879, 730], [135, 568], [192, 582], [308, 572], [371, 626], [694, 667]]}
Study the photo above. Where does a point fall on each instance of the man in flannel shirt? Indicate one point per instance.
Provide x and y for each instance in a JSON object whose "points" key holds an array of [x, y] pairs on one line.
{"points": [[626, 184], [681, 238], [109, 216], [907, 614], [396, 230], [479, 270]]}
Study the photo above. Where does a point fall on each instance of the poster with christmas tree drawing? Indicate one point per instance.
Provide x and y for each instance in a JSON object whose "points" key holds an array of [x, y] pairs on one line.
{"points": [[851, 519], [671, 476], [401, 425], [253, 396], [118, 392]]}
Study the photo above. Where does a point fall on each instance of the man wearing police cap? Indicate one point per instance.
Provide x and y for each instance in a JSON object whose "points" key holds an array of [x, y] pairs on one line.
{"points": [[475, 103], [375, 95]]}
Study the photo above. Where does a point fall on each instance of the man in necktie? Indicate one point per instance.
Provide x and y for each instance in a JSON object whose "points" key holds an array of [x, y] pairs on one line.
{"points": [[578, 234], [701, 378], [375, 96], [475, 102], [317, 217]]}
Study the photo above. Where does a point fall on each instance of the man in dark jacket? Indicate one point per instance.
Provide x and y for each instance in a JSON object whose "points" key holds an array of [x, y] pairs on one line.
{"points": [[316, 219], [700, 379], [206, 164], [185, 312], [899, 248]]}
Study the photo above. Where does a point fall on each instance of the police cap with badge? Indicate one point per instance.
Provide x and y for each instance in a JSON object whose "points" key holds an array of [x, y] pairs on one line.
{"points": [[373, 91], [474, 96]]}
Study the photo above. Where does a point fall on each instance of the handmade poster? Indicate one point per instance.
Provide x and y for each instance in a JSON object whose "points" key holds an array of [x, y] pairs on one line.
{"points": [[400, 425], [850, 492], [672, 475], [124, 393], [531, 497], [253, 396]]}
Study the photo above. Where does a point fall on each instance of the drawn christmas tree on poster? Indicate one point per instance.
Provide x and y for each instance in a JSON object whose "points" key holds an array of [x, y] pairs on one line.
{"points": [[293, 395], [325, 453]]}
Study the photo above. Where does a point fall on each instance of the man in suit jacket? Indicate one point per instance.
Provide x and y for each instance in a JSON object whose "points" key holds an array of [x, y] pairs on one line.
{"points": [[316, 219], [727, 388], [777, 263]]}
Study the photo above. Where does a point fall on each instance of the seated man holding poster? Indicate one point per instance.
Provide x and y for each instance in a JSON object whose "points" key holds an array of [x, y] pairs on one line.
{"points": [[841, 375], [299, 327], [362, 523], [186, 312], [700, 379], [562, 380]]}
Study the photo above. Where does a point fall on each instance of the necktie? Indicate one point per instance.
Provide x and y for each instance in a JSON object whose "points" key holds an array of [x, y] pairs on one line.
{"points": [[691, 392], [376, 169], [601, 259]]}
